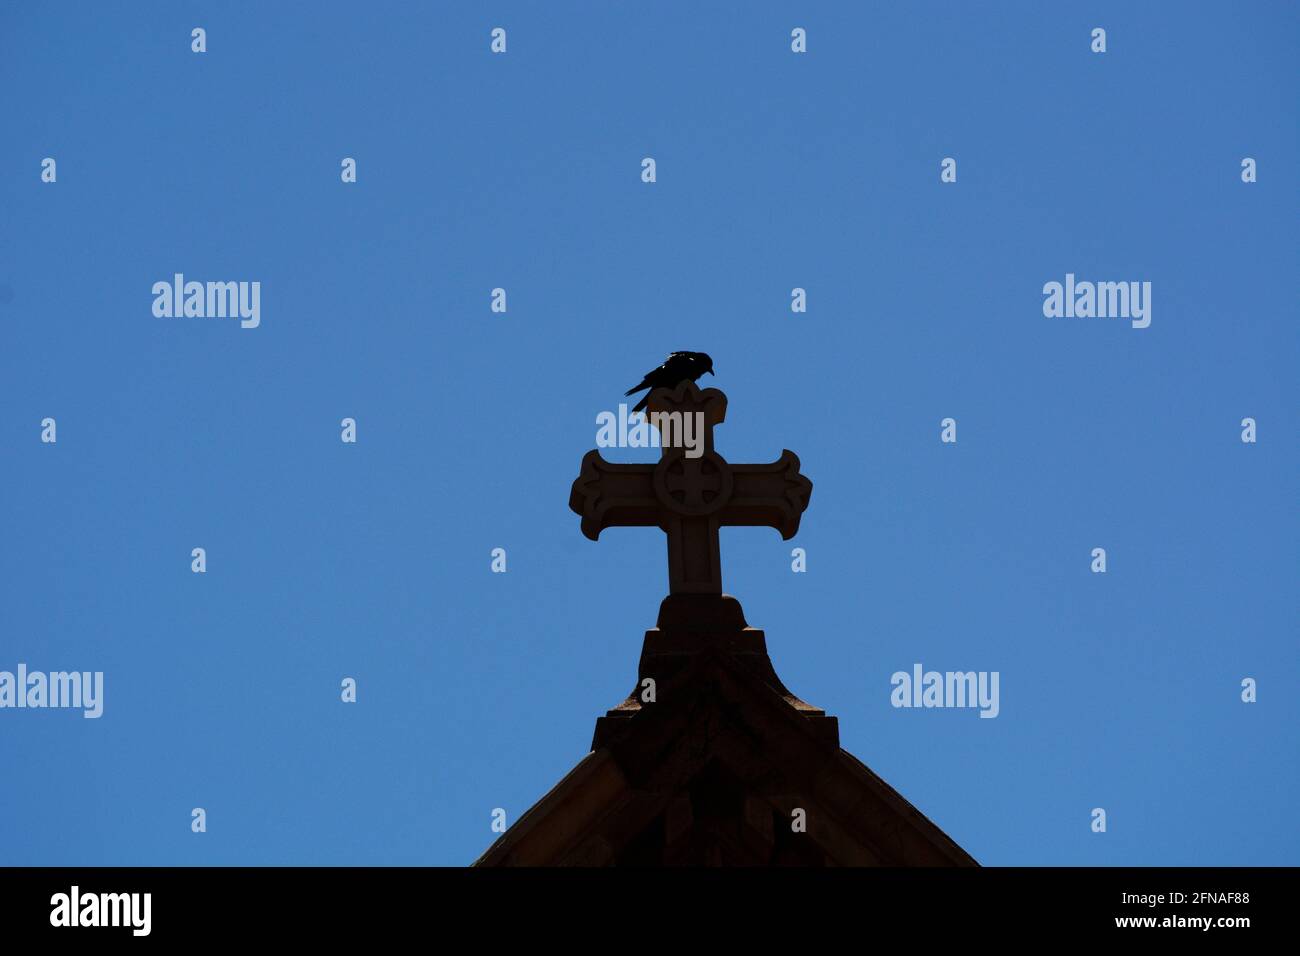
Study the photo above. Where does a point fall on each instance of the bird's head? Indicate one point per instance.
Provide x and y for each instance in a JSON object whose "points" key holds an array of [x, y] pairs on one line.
{"points": [[705, 363]]}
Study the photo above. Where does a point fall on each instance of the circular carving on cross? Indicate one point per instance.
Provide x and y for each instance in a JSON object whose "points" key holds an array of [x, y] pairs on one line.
{"points": [[693, 486]]}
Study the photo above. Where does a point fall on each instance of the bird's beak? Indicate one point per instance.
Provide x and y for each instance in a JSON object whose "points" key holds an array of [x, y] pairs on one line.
{"points": [[710, 371]]}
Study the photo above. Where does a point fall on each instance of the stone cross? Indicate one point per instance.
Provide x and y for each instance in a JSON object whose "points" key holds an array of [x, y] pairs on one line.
{"points": [[690, 498]]}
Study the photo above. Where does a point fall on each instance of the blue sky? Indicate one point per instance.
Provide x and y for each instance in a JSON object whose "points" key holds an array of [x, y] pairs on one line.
{"points": [[522, 171]]}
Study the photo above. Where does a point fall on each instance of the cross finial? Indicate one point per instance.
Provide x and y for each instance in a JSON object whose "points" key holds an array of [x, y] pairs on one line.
{"points": [[690, 498]]}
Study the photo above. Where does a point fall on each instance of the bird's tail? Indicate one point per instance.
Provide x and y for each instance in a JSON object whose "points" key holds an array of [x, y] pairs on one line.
{"points": [[645, 399], [634, 388]]}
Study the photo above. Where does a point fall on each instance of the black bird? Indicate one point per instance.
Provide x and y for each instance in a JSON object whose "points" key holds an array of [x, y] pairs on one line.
{"points": [[678, 367]]}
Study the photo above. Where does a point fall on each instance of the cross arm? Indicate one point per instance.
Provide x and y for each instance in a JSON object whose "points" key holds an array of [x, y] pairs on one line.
{"points": [[606, 494], [773, 495]]}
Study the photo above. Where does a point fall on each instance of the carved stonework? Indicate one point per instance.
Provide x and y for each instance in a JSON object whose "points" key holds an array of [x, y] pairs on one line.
{"points": [[690, 497], [721, 765]]}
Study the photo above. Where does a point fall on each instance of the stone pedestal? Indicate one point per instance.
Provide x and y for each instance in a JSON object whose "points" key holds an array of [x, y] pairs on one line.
{"points": [[694, 632]]}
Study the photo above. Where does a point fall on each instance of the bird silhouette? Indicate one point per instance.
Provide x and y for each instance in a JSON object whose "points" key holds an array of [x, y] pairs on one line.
{"points": [[677, 368]]}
